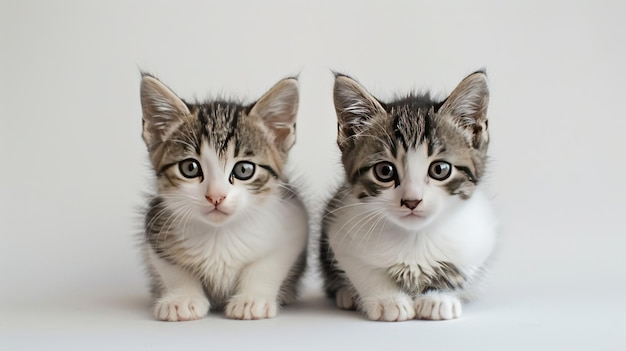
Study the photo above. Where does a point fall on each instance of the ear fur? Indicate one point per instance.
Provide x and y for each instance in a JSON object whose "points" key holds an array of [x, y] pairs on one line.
{"points": [[355, 107], [278, 110], [162, 110], [467, 108]]}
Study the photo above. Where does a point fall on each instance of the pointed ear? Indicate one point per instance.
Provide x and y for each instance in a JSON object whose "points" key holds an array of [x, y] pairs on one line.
{"points": [[278, 109], [354, 106], [467, 108], [162, 110]]}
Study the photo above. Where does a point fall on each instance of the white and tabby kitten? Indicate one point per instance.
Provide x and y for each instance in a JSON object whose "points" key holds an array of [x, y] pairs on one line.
{"points": [[224, 231], [409, 233]]}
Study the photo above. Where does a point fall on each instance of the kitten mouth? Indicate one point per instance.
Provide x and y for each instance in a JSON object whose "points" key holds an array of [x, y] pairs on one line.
{"points": [[415, 214], [217, 216], [217, 212]]}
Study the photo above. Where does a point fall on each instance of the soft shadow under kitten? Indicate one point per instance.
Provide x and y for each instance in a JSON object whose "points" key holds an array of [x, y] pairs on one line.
{"points": [[225, 231], [410, 231]]}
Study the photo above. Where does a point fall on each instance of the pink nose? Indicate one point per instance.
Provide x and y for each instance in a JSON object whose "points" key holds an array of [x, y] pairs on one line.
{"points": [[410, 204], [215, 200]]}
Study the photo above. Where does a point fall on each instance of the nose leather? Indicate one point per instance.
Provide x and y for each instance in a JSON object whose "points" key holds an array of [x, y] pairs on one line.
{"points": [[410, 204], [215, 200]]}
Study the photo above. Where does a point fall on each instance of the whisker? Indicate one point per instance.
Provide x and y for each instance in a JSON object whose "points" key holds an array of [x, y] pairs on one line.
{"points": [[358, 219]]}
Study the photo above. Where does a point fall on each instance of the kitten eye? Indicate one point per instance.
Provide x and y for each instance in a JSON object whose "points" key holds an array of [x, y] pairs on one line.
{"points": [[440, 170], [385, 171], [190, 168], [243, 170]]}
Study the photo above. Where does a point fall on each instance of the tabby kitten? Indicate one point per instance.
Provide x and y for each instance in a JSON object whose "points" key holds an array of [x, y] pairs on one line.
{"points": [[410, 231], [225, 231]]}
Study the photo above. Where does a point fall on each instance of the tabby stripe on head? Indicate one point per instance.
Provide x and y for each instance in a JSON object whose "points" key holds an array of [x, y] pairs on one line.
{"points": [[400, 138], [410, 131], [220, 121], [270, 170], [258, 185], [359, 172], [371, 189], [435, 146], [468, 173], [454, 184], [163, 169], [230, 135]]}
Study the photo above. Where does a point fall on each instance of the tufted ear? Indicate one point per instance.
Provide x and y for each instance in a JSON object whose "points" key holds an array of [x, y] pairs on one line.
{"points": [[278, 109], [355, 107], [467, 108], [162, 110]]}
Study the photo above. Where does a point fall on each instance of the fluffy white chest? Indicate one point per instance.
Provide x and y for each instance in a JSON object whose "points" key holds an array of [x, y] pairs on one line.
{"points": [[465, 237], [219, 254]]}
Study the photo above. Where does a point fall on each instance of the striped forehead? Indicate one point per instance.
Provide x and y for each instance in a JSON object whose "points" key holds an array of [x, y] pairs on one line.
{"points": [[219, 121], [421, 128], [411, 125], [214, 162]]}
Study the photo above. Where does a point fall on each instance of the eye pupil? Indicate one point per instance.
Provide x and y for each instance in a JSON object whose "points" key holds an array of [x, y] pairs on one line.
{"points": [[243, 170], [190, 168], [384, 171], [440, 170]]}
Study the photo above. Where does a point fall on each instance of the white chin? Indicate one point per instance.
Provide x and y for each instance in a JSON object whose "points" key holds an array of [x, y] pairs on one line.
{"points": [[413, 222], [216, 217]]}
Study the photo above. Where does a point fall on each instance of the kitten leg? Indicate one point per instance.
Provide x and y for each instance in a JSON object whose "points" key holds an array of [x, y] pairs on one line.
{"points": [[259, 285], [345, 298], [380, 298], [438, 305], [183, 298]]}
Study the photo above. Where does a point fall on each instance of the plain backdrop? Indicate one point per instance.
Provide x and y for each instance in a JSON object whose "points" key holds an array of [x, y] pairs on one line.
{"points": [[74, 166]]}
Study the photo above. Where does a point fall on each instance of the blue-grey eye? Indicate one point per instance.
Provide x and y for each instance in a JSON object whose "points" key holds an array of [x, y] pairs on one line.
{"points": [[243, 170], [190, 168], [440, 170], [385, 171]]}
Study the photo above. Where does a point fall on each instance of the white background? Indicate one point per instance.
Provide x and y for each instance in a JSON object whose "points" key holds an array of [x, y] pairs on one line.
{"points": [[74, 166]]}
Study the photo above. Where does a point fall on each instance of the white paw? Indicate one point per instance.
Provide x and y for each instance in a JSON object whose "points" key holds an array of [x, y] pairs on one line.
{"points": [[345, 298], [438, 307], [175, 308], [390, 309], [251, 307]]}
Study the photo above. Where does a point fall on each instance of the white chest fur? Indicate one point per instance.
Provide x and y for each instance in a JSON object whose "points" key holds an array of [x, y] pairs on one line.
{"points": [[464, 237], [219, 254]]}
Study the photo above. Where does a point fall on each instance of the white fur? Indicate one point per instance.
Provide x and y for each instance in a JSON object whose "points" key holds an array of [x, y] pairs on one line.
{"points": [[185, 298], [254, 242], [436, 306], [370, 237]]}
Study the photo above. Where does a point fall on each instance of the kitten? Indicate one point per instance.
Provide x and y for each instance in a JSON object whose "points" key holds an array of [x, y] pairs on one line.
{"points": [[225, 231], [409, 233]]}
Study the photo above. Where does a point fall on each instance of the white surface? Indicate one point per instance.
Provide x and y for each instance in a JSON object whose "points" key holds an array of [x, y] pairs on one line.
{"points": [[74, 165]]}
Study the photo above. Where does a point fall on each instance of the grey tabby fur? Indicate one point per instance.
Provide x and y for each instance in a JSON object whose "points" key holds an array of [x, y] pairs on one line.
{"points": [[370, 130], [224, 125]]}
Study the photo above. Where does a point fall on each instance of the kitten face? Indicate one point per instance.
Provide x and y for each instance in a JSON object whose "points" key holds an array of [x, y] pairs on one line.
{"points": [[413, 158], [218, 161], [216, 187]]}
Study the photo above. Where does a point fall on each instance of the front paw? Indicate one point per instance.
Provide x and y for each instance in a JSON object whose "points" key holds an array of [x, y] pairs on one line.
{"points": [[389, 309], [438, 307], [175, 308], [346, 298], [251, 307]]}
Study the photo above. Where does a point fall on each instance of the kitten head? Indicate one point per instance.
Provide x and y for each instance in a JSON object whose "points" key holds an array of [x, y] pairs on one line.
{"points": [[217, 160], [413, 157]]}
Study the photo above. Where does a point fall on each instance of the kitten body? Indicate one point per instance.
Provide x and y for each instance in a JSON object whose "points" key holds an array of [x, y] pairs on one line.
{"points": [[225, 230], [410, 232]]}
